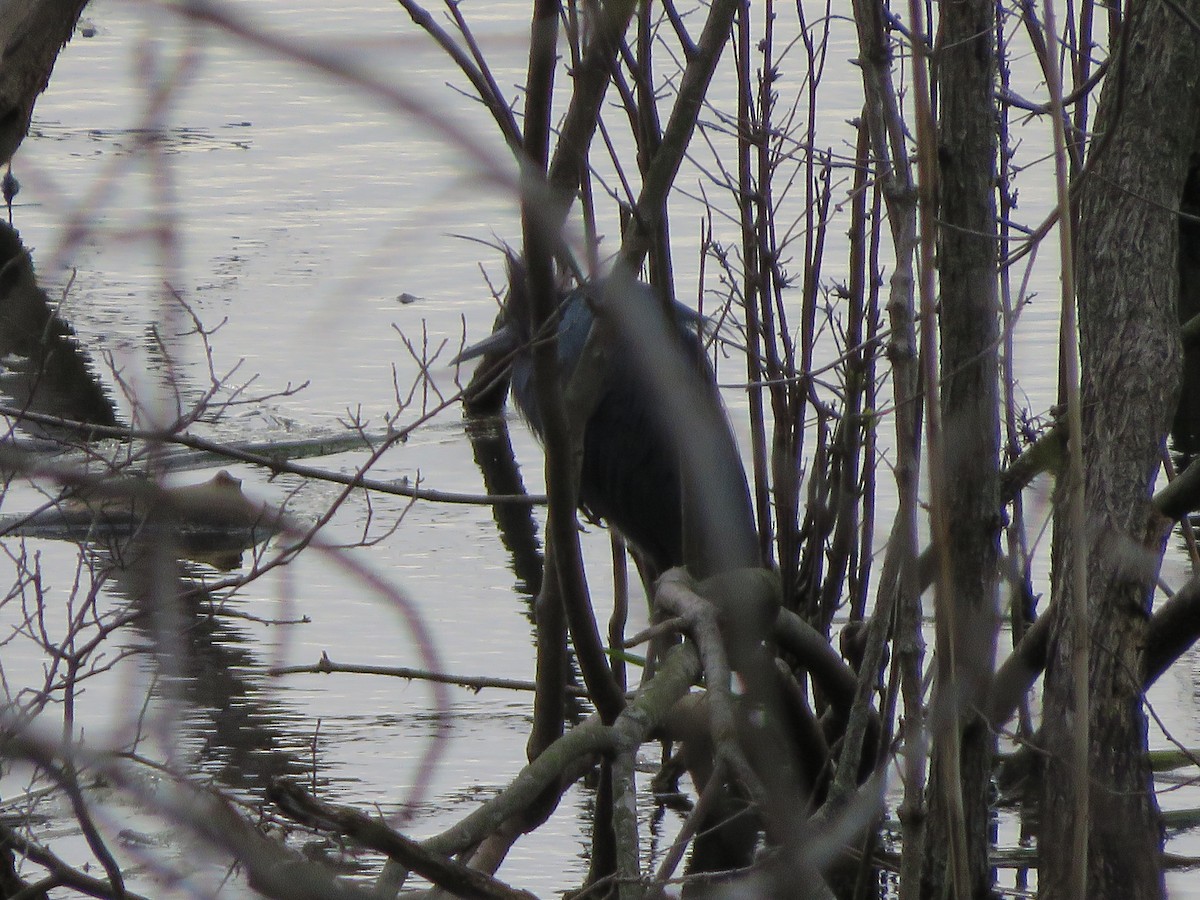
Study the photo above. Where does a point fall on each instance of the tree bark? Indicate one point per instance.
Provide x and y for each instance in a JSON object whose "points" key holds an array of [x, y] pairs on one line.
{"points": [[1186, 428], [969, 328], [1130, 358], [31, 34]]}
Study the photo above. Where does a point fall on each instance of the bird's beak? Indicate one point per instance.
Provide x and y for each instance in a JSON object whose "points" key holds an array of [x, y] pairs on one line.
{"points": [[501, 341]]}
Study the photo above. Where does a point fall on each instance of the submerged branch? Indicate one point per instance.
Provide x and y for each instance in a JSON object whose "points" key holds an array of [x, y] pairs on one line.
{"points": [[376, 835], [632, 727], [476, 683], [275, 457]]}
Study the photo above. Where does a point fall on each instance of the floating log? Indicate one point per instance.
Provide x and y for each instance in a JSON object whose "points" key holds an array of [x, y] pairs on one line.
{"points": [[213, 521]]}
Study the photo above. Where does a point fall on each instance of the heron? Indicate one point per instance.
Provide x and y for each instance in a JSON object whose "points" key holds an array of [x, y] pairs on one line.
{"points": [[637, 472]]}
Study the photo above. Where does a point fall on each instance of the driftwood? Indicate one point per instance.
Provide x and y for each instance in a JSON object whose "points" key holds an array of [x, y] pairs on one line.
{"points": [[212, 521]]}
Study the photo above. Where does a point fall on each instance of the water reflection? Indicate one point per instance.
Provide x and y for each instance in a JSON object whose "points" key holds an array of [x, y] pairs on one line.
{"points": [[152, 550], [517, 529], [492, 446], [225, 707], [42, 367]]}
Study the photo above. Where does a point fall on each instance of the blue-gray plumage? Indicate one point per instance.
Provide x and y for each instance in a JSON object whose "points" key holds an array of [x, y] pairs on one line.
{"points": [[633, 447]]}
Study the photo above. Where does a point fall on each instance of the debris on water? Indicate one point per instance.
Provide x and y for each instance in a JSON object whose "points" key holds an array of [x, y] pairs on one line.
{"points": [[210, 522], [131, 838]]}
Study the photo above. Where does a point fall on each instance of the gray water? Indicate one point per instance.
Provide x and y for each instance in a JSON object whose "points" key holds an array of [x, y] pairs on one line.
{"points": [[304, 213]]}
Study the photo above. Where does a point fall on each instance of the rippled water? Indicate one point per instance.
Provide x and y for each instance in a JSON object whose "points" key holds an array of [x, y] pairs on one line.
{"points": [[304, 212]]}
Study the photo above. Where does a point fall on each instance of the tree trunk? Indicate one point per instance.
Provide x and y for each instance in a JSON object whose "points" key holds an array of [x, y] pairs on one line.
{"points": [[31, 34], [969, 327], [1130, 358], [1186, 428]]}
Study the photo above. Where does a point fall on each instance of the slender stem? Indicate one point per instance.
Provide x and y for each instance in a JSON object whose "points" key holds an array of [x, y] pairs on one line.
{"points": [[561, 467], [637, 236], [1069, 342]]}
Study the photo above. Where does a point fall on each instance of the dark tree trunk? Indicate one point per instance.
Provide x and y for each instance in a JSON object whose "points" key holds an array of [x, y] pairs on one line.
{"points": [[970, 415], [31, 34], [1186, 429], [1130, 358]]}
